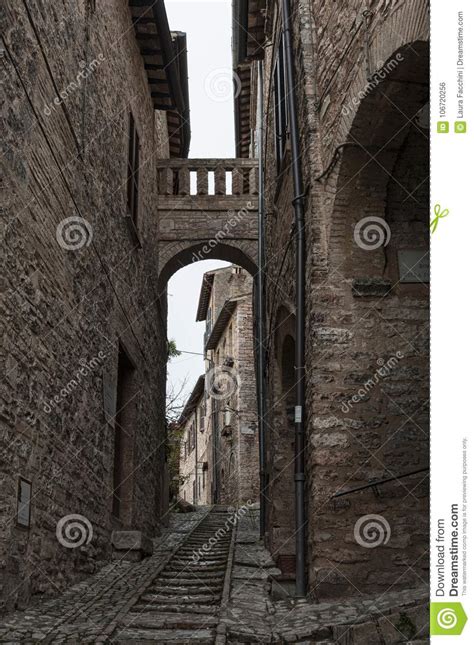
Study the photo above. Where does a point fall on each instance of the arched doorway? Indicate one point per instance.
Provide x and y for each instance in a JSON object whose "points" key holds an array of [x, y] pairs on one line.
{"points": [[281, 446]]}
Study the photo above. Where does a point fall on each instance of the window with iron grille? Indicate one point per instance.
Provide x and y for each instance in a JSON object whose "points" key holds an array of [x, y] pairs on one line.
{"points": [[133, 169]]}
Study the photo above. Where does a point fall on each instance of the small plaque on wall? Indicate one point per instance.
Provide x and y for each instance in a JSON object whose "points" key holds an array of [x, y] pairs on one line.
{"points": [[414, 265], [23, 511]]}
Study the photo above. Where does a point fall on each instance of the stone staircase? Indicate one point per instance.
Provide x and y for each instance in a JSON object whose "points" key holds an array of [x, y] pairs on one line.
{"points": [[182, 604]]}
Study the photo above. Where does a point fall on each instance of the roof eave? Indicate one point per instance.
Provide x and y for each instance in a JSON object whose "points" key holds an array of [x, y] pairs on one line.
{"points": [[193, 400], [221, 323], [204, 296]]}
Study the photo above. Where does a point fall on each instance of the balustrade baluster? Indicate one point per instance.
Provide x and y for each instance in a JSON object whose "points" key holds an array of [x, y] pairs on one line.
{"points": [[202, 181], [253, 181], [237, 181], [219, 181], [165, 181], [184, 181]]}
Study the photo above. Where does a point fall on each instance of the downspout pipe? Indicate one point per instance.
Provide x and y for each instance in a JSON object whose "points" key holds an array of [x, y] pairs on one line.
{"points": [[261, 344], [298, 205], [196, 475], [215, 469], [216, 452]]}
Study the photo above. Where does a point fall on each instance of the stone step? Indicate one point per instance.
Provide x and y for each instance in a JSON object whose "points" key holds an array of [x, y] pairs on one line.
{"points": [[201, 562], [178, 590], [212, 526], [187, 599], [200, 553], [201, 591], [220, 532], [195, 568], [159, 620], [222, 545], [189, 581], [199, 544], [164, 636], [190, 574], [209, 610]]}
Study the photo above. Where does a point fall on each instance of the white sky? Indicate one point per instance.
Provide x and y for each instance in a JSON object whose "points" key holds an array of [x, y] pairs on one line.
{"points": [[208, 25]]}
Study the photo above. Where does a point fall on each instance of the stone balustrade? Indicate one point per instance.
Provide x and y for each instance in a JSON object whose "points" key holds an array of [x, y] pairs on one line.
{"points": [[219, 177]]}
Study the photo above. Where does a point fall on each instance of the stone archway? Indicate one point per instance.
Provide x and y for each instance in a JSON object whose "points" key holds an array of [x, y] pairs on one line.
{"points": [[176, 255], [218, 221]]}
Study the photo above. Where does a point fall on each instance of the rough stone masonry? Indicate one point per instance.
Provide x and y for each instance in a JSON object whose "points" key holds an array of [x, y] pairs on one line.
{"points": [[361, 96], [82, 315]]}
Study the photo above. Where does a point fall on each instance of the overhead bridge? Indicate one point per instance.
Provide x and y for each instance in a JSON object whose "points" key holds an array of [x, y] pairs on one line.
{"points": [[207, 209]]}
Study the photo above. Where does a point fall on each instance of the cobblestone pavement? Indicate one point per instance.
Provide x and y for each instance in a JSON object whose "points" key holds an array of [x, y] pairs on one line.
{"points": [[82, 613], [252, 617], [177, 597]]}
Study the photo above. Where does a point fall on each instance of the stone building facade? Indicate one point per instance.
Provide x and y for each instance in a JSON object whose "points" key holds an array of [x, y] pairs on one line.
{"points": [[196, 442], [219, 457], [82, 424], [361, 94]]}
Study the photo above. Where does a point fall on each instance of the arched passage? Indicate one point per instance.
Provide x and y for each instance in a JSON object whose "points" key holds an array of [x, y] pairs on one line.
{"points": [[175, 256]]}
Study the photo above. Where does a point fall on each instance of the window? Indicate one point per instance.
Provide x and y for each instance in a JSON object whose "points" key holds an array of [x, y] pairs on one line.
{"points": [[133, 170], [192, 436], [280, 107]]}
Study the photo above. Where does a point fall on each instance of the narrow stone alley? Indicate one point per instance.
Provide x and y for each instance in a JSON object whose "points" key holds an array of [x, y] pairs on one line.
{"points": [[210, 580], [285, 498]]}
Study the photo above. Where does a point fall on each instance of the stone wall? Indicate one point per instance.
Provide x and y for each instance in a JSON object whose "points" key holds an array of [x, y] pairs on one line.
{"points": [[196, 489], [66, 310], [247, 427], [230, 392], [360, 317]]}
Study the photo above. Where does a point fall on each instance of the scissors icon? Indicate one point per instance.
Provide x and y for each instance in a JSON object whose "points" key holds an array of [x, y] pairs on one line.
{"points": [[439, 214]]}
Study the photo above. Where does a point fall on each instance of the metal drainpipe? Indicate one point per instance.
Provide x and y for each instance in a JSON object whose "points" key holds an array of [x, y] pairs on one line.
{"points": [[196, 476], [298, 205], [261, 345], [215, 468]]}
